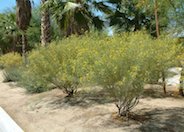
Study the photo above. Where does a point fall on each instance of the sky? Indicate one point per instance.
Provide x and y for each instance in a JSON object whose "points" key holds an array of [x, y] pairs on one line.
{"points": [[9, 4]]}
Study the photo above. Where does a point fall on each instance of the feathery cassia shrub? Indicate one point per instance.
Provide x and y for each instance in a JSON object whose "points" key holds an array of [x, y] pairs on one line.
{"points": [[121, 64], [11, 64]]}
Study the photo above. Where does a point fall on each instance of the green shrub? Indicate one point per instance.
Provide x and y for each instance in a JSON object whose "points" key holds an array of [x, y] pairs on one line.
{"points": [[126, 62], [54, 66], [11, 64], [120, 69], [32, 83], [121, 64], [12, 74], [163, 55], [10, 60]]}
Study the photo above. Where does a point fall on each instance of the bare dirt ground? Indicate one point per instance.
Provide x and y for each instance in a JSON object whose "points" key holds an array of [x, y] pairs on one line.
{"points": [[51, 112]]}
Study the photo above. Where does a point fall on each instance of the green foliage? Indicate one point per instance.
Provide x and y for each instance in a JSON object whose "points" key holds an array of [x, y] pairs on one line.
{"points": [[8, 31], [121, 64], [10, 60], [12, 74], [163, 55], [119, 68], [10, 35], [32, 83], [54, 66], [129, 16], [33, 32], [76, 17], [11, 63], [176, 14], [124, 63]]}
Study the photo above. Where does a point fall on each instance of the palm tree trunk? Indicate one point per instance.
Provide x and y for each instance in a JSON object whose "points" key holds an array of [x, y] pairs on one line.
{"points": [[14, 43], [156, 18], [24, 43], [45, 26], [23, 18]]}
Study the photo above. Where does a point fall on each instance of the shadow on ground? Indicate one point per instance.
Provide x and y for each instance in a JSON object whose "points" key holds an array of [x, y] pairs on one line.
{"points": [[164, 120], [156, 120], [156, 91], [83, 99], [56, 99]]}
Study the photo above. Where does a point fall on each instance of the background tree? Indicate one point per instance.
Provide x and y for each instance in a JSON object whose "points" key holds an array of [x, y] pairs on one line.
{"points": [[130, 16], [156, 18], [76, 16], [33, 32], [23, 17], [45, 25], [8, 32], [176, 16], [133, 15]]}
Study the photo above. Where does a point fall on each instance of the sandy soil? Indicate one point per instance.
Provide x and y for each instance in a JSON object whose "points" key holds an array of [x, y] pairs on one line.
{"points": [[51, 112]]}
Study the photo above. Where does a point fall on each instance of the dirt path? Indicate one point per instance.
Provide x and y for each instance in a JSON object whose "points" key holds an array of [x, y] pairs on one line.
{"points": [[50, 112]]}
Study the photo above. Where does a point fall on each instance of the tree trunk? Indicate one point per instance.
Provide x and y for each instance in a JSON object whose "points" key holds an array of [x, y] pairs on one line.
{"points": [[156, 19], [181, 92], [23, 18], [24, 48], [23, 14], [181, 84], [14, 43], [78, 1], [45, 26], [164, 83]]}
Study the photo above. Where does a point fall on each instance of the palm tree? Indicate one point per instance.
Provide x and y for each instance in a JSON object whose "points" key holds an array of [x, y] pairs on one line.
{"points": [[131, 15], [76, 16], [45, 25], [8, 32], [23, 17]]}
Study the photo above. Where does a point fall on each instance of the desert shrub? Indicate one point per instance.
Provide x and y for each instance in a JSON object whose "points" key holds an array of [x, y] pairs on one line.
{"points": [[11, 64], [12, 74], [55, 66], [40, 71], [126, 62], [120, 69], [121, 64], [60, 65], [163, 55], [31, 82], [10, 60]]}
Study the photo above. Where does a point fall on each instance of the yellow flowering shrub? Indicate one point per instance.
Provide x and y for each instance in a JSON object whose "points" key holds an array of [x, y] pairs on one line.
{"points": [[10, 60], [121, 64], [129, 61], [11, 63]]}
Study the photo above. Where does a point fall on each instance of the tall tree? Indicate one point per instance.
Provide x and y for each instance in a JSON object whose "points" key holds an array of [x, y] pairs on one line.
{"points": [[8, 32], [177, 16], [133, 15], [45, 25], [23, 18], [77, 16], [130, 15], [156, 18], [161, 10]]}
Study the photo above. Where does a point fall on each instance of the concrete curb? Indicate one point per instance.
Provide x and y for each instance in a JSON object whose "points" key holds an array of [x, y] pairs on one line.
{"points": [[7, 124]]}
